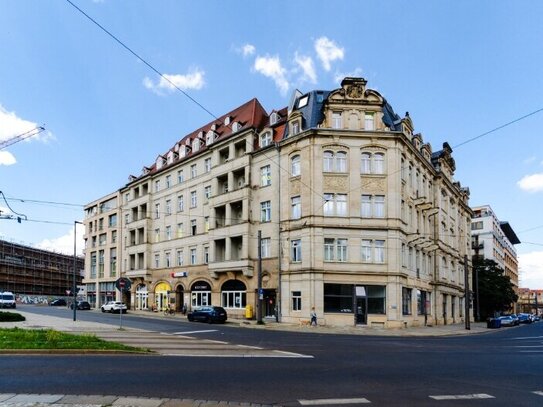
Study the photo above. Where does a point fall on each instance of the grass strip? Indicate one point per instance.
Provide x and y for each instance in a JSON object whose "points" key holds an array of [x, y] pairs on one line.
{"points": [[17, 338]]}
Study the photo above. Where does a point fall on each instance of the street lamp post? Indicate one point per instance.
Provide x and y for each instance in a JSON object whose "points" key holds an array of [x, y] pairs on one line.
{"points": [[74, 283]]}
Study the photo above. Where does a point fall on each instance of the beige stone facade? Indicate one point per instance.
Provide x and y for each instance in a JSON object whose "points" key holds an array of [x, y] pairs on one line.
{"points": [[358, 217]]}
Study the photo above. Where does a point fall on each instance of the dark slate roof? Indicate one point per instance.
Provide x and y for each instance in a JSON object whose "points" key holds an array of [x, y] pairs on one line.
{"points": [[312, 113], [390, 118], [509, 232]]}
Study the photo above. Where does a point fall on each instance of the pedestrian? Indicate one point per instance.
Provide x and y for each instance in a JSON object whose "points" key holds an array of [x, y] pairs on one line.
{"points": [[313, 316], [184, 309]]}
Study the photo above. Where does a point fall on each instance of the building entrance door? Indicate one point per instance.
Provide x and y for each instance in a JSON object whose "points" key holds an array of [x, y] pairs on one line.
{"points": [[269, 304], [361, 311]]}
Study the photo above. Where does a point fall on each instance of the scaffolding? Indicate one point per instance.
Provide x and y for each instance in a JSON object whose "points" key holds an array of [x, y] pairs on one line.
{"points": [[25, 270]]}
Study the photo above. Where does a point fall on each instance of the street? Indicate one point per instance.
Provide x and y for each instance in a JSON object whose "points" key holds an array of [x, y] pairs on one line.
{"points": [[499, 368]]}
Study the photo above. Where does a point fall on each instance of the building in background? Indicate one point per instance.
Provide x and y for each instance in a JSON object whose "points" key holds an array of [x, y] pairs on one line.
{"points": [[332, 202], [35, 274], [493, 239], [102, 237], [530, 301]]}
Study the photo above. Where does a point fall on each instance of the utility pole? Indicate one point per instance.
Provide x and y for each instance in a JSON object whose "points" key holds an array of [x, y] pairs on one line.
{"points": [[260, 293], [466, 292]]}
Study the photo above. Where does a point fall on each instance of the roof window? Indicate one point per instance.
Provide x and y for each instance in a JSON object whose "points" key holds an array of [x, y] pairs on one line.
{"points": [[274, 118], [303, 101]]}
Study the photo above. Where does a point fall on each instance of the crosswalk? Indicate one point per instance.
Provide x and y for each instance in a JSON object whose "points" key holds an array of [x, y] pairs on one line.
{"points": [[526, 344], [183, 344], [435, 397]]}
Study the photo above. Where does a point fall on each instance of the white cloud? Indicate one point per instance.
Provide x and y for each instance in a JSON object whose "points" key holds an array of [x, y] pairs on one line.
{"points": [[65, 244], [11, 126], [192, 80], [531, 183], [272, 68], [307, 66], [248, 49], [531, 270], [328, 51], [6, 158], [339, 76]]}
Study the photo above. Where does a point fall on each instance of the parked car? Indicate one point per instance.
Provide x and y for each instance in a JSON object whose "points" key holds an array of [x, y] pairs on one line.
{"points": [[58, 302], [507, 320], [82, 305], [525, 318], [114, 306], [7, 300], [208, 314], [536, 317], [515, 319]]}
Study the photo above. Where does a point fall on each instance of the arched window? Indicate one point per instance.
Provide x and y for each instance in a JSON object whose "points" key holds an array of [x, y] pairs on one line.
{"points": [[295, 166], [365, 164], [328, 162], [341, 162], [142, 297], [234, 294], [200, 294], [378, 163]]}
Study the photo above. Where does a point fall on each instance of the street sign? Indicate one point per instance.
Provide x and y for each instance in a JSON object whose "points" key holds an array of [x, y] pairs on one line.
{"points": [[123, 284]]}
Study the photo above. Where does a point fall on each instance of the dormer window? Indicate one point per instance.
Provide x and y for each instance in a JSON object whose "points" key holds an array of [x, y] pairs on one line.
{"points": [[369, 123], [213, 127], [274, 118], [196, 144], [160, 161], [187, 142], [183, 151], [265, 139], [210, 137], [227, 120], [236, 126], [295, 127], [201, 134]]}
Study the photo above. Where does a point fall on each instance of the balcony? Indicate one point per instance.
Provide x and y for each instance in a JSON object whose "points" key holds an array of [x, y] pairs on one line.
{"points": [[141, 273], [246, 267]]}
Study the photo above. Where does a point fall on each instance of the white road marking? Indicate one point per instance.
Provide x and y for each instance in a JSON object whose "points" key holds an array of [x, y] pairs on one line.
{"points": [[293, 355], [527, 337], [463, 397], [320, 402], [539, 393], [249, 347], [194, 332], [528, 346]]}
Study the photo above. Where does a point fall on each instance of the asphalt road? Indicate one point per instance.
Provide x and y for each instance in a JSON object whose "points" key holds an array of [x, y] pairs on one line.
{"points": [[501, 368]]}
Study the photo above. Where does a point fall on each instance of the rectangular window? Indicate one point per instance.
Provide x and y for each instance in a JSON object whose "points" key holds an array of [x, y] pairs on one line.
{"points": [[207, 192], [265, 139], [193, 171], [168, 259], [296, 251], [368, 121], [193, 227], [180, 203], [207, 164], [296, 206], [168, 181], [365, 255], [365, 210], [180, 177], [157, 235], [168, 233], [157, 185], [265, 211], [157, 211], [168, 207], [335, 205], [179, 230], [406, 300], [180, 258], [379, 251], [379, 206], [296, 300], [193, 256], [265, 247], [341, 205], [329, 246], [193, 200], [341, 249], [157, 260], [206, 255], [337, 123], [206, 224], [265, 176]]}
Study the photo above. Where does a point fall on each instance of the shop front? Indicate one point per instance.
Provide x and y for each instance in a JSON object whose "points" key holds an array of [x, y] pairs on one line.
{"points": [[162, 294]]}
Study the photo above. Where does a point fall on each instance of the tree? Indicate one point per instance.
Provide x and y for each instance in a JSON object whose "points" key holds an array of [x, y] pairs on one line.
{"points": [[496, 293]]}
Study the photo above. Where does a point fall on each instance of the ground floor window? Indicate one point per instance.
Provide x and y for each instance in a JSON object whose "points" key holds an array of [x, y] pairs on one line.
{"points": [[162, 291], [142, 297], [234, 294], [406, 300], [423, 302], [296, 301], [201, 294], [370, 299]]}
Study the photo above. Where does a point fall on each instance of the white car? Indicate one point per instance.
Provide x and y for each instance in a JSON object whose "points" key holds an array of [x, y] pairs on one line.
{"points": [[114, 306]]}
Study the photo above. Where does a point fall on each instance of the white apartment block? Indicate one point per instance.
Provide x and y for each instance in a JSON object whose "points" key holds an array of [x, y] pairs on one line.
{"points": [[358, 217], [493, 239]]}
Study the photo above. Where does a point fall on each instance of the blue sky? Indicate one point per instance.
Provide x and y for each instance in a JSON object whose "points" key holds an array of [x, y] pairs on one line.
{"points": [[460, 68]]}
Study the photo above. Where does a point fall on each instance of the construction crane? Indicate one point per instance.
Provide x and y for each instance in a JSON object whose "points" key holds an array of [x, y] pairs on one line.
{"points": [[12, 140]]}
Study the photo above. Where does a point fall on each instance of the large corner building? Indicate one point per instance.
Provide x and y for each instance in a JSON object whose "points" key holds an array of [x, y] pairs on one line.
{"points": [[332, 202]]}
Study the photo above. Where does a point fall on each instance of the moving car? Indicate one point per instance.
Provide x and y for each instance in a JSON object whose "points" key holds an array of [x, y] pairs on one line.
{"points": [[58, 302], [507, 320], [208, 314], [82, 305], [114, 306], [7, 300]]}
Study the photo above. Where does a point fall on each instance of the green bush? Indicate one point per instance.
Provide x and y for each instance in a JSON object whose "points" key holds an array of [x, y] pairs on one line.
{"points": [[11, 317]]}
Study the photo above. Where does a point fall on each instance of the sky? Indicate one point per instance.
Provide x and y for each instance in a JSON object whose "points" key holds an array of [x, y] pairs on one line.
{"points": [[462, 69]]}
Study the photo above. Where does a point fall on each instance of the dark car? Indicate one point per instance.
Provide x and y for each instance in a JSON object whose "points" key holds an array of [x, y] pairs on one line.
{"points": [[525, 318], [82, 305], [58, 302], [208, 314]]}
